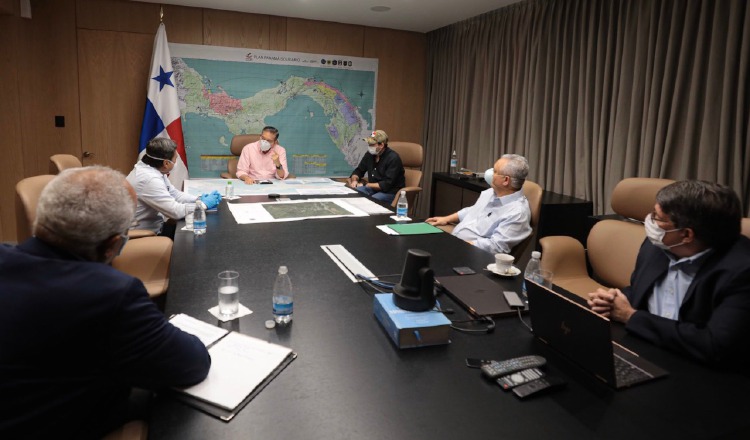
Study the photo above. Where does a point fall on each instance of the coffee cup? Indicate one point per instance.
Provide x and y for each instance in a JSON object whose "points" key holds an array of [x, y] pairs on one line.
{"points": [[503, 263]]}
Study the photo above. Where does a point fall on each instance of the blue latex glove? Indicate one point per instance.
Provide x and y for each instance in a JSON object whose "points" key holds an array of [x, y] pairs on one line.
{"points": [[211, 200], [216, 193]]}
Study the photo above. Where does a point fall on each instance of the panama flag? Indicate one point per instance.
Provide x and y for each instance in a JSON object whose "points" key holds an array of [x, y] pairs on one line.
{"points": [[162, 116]]}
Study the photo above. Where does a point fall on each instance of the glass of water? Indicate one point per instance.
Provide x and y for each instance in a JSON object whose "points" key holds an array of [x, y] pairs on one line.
{"points": [[229, 292]]}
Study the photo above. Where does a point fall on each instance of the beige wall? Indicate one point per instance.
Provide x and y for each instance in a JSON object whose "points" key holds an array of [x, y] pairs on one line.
{"points": [[88, 60]]}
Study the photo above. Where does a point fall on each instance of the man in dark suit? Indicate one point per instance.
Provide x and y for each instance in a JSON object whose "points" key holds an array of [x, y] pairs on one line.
{"points": [[76, 334], [690, 291]]}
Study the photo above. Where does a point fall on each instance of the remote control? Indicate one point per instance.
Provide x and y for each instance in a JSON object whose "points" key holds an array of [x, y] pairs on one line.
{"points": [[495, 369], [538, 386], [513, 299], [519, 378]]}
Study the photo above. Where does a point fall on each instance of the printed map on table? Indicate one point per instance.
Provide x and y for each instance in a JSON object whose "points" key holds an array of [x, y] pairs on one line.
{"points": [[323, 105]]}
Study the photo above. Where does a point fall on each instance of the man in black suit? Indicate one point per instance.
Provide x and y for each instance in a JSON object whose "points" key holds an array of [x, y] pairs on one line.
{"points": [[76, 334], [690, 291]]}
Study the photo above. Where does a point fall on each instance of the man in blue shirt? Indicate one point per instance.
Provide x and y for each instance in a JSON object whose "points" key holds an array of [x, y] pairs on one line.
{"points": [[76, 334], [500, 219], [690, 290]]}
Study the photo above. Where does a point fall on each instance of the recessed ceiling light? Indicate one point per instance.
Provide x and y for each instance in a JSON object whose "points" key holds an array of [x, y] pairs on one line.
{"points": [[380, 8]]}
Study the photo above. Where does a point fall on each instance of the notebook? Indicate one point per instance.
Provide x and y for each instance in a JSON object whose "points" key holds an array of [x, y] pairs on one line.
{"points": [[584, 336], [476, 293]]}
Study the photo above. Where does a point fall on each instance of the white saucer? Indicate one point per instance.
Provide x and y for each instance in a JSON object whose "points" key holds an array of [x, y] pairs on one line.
{"points": [[513, 270]]}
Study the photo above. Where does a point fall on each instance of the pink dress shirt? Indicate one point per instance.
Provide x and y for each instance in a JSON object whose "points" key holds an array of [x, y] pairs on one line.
{"points": [[259, 165]]}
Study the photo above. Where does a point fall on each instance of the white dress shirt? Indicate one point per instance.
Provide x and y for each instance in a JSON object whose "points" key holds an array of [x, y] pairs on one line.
{"points": [[670, 291], [157, 198], [495, 224]]}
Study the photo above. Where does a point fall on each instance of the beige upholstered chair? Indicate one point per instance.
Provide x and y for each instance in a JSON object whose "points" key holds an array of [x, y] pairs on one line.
{"points": [[59, 162], [133, 430], [533, 192], [412, 156], [746, 227], [148, 260], [236, 146], [613, 245], [634, 197], [27, 197]]}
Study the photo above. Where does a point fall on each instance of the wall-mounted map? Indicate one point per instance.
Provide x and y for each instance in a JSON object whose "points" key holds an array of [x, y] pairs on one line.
{"points": [[322, 105]]}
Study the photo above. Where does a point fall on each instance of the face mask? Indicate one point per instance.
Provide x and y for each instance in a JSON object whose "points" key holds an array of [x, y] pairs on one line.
{"points": [[372, 150], [264, 145], [656, 234], [489, 175]]}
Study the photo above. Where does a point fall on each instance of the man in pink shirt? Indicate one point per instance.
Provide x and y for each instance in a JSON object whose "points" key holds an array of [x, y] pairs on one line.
{"points": [[264, 159]]}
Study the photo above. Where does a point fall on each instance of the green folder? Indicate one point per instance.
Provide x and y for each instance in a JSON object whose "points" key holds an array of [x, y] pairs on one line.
{"points": [[415, 229]]}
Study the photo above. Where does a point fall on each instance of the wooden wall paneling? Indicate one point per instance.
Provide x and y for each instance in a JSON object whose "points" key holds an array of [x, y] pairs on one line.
{"points": [[401, 80], [10, 7], [11, 144], [235, 29], [323, 37], [114, 69], [277, 38], [118, 15], [184, 25], [48, 84]]}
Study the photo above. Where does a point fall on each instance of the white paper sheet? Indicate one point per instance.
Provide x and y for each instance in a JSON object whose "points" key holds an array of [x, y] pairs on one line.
{"points": [[207, 333]]}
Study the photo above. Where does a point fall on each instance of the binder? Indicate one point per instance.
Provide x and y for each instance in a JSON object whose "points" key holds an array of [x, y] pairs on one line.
{"points": [[241, 367]]}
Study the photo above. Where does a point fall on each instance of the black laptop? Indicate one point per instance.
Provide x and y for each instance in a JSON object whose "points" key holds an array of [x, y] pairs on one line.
{"points": [[478, 294], [584, 336]]}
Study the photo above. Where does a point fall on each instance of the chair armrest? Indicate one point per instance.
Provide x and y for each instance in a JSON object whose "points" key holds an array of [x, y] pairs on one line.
{"points": [[564, 256], [140, 233], [226, 175]]}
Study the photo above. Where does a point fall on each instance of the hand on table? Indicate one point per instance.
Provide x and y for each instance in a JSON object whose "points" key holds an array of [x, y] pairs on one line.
{"points": [[437, 221], [248, 180], [611, 303]]}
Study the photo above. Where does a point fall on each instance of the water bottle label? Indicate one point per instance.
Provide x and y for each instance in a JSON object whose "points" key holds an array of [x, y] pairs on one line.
{"points": [[283, 309], [454, 162], [198, 224], [401, 212]]}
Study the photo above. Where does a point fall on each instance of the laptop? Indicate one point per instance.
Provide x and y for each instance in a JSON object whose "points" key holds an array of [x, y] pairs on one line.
{"points": [[584, 336], [478, 294]]}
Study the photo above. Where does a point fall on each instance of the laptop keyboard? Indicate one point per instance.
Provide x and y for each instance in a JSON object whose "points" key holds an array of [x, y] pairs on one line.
{"points": [[627, 373]]}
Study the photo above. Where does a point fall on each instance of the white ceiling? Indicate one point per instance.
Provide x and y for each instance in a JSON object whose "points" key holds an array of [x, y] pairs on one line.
{"points": [[410, 15]]}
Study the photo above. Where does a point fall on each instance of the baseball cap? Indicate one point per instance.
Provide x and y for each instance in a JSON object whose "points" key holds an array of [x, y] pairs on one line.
{"points": [[377, 137]]}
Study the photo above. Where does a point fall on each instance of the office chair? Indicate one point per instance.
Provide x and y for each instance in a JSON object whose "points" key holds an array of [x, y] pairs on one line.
{"points": [[235, 147], [133, 430], [148, 260], [746, 227], [59, 162], [613, 245], [412, 156], [28, 191]]}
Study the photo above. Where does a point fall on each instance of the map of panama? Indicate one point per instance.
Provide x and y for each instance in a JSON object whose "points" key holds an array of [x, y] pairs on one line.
{"points": [[322, 112]]}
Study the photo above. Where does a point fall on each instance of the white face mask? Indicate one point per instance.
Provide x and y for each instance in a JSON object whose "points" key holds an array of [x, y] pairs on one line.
{"points": [[656, 234], [372, 150], [489, 175], [264, 145]]}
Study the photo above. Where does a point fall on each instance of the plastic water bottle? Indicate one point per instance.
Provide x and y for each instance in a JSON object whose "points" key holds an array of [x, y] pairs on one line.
{"points": [[454, 162], [534, 265], [229, 191], [199, 218], [402, 207], [283, 297]]}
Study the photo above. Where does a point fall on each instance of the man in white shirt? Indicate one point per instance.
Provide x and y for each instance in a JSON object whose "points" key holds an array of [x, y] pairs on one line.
{"points": [[500, 219], [157, 198]]}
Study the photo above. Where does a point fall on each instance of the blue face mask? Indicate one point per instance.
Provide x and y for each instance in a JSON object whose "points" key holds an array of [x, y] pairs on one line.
{"points": [[489, 175]]}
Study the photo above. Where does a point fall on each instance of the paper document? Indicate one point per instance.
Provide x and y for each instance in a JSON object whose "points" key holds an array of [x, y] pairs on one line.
{"points": [[367, 205], [239, 363], [207, 333]]}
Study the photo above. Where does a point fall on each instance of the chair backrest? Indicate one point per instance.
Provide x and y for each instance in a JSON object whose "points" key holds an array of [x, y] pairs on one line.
{"points": [[411, 154], [148, 260], [533, 193], [28, 191], [613, 246], [746, 227], [59, 162], [634, 197], [412, 177], [235, 147]]}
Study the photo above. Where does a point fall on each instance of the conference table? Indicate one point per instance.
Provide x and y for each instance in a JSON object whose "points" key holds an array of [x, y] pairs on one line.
{"points": [[350, 382]]}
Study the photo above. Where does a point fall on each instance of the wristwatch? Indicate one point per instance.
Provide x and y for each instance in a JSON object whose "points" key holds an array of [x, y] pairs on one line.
{"points": [[278, 167]]}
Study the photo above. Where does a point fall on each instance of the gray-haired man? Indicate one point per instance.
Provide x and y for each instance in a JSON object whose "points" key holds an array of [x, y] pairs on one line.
{"points": [[76, 334], [500, 219]]}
